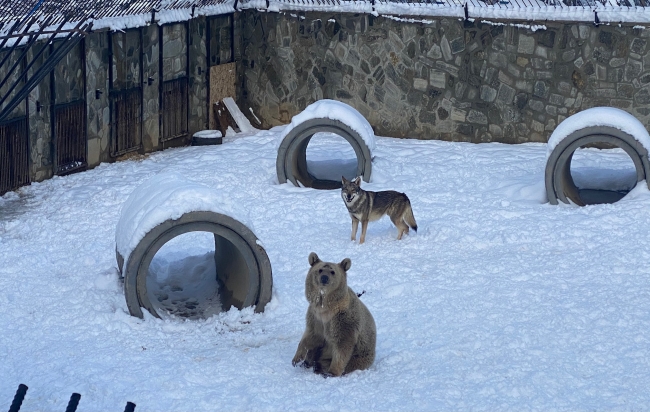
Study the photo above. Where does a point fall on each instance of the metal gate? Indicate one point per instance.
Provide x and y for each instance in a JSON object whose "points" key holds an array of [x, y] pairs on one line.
{"points": [[125, 82], [126, 111], [70, 135], [14, 155], [174, 108]]}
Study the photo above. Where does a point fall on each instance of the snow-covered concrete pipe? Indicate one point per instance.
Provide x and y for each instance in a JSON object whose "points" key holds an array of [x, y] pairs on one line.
{"points": [[323, 116], [168, 206], [593, 126]]}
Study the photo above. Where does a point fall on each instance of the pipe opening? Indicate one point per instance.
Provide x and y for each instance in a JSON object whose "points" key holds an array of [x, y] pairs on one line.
{"points": [[322, 171], [329, 156], [182, 277], [602, 174], [201, 288]]}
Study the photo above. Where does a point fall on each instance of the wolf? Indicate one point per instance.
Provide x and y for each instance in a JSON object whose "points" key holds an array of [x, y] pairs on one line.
{"points": [[367, 206], [340, 335]]}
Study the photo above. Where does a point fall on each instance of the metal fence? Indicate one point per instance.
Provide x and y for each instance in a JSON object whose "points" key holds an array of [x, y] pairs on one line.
{"points": [[126, 124], [174, 108], [70, 136], [73, 403], [14, 155]]}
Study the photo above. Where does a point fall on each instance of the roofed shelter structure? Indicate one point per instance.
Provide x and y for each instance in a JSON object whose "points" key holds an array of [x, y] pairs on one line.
{"points": [[88, 82]]}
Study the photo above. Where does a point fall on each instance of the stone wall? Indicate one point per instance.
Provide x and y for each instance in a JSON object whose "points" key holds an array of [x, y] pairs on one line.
{"points": [[69, 76], [150, 88], [97, 98], [445, 79], [174, 52], [198, 76], [40, 124]]}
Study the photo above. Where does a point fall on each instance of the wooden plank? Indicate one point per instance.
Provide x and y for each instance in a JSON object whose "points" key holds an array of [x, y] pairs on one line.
{"points": [[222, 84], [223, 118]]}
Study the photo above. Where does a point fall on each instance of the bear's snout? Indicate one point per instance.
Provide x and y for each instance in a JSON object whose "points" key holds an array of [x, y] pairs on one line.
{"points": [[324, 279]]}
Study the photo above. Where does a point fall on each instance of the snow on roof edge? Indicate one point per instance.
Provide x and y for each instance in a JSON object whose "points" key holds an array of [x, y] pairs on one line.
{"points": [[162, 17]]}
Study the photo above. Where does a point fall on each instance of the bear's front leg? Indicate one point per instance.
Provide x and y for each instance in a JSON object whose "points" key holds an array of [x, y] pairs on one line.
{"points": [[309, 350], [341, 354], [324, 360]]}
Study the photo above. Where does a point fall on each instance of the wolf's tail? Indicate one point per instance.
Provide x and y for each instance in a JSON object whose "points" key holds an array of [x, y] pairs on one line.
{"points": [[409, 218]]}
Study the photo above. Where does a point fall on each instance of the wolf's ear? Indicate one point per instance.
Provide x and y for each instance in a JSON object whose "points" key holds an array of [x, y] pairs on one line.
{"points": [[357, 181], [345, 264], [313, 259], [344, 180]]}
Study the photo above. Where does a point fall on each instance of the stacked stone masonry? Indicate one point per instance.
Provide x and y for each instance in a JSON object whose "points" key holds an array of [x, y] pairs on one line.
{"points": [[443, 79]]}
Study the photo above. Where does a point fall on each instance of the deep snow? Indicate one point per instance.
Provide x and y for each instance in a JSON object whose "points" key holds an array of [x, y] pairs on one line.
{"points": [[499, 302]]}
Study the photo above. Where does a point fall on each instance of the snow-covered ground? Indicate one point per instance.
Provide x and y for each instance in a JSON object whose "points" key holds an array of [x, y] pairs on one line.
{"points": [[499, 302]]}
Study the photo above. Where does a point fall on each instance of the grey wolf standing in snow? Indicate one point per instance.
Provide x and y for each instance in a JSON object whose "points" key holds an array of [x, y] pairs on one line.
{"points": [[340, 335], [367, 206]]}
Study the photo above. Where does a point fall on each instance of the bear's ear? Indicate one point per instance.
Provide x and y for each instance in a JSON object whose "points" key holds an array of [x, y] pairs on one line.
{"points": [[313, 259], [345, 264], [357, 181], [344, 180]]}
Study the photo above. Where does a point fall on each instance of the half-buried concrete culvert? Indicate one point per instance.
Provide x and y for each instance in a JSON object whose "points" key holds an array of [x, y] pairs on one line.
{"points": [[596, 156], [345, 142], [183, 252]]}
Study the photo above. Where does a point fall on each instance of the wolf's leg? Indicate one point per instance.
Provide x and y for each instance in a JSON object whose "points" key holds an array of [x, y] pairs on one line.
{"points": [[364, 226], [400, 225], [355, 225]]}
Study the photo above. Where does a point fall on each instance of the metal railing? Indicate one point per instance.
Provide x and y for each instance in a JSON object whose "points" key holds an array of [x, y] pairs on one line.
{"points": [[126, 124], [174, 108], [14, 155], [70, 136], [73, 403]]}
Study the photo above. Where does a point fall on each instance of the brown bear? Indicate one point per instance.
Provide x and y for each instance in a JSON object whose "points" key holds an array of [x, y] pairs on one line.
{"points": [[340, 335]]}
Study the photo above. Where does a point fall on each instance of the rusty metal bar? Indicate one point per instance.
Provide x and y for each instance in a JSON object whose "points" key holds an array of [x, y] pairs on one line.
{"points": [[10, 90], [71, 40], [4, 41], [32, 40]]}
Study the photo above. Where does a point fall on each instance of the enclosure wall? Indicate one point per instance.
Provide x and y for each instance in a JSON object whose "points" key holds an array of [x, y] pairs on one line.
{"points": [[449, 79]]}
